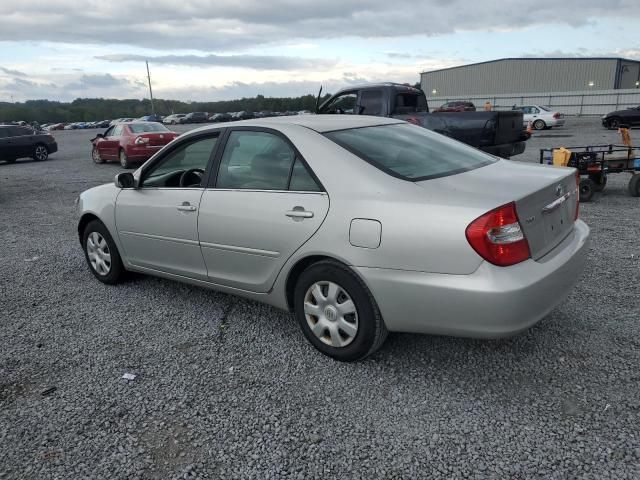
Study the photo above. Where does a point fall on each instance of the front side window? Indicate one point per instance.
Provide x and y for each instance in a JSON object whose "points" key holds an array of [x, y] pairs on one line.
{"points": [[4, 132], [344, 103], [183, 167], [117, 131], [109, 132], [410, 152]]}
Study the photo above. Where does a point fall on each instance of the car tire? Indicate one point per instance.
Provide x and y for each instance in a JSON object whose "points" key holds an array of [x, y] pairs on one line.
{"points": [[95, 155], [348, 325], [10, 160], [614, 123], [587, 188], [40, 152], [634, 185], [102, 254], [539, 125], [124, 160], [600, 181]]}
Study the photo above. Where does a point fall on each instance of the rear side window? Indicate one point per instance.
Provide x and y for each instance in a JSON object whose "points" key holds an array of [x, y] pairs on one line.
{"points": [[262, 161], [410, 103], [371, 102], [4, 132], [410, 152]]}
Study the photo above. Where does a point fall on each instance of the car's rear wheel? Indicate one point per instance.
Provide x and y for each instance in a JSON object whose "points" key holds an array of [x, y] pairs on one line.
{"points": [[101, 253], [634, 186], [587, 189], [95, 155], [539, 125], [40, 153], [337, 312], [124, 159]]}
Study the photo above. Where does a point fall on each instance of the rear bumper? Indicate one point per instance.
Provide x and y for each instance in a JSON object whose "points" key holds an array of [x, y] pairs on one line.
{"points": [[492, 302], [52, 147], [142, 152], [505, 150]]}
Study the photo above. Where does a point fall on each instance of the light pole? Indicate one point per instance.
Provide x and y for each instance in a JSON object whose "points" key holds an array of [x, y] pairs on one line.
{"points": [[153, 110]]}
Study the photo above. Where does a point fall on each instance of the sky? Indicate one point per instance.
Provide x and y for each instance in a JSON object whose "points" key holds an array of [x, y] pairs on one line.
{"points": [[203, 50]]}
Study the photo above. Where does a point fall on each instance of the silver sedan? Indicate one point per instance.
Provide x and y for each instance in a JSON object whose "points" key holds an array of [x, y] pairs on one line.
{"points": [[359, 225]]}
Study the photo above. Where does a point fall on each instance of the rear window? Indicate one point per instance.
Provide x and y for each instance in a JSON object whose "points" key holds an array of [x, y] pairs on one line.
{"points": [[410, 152], [410, 103], [147, 127]]}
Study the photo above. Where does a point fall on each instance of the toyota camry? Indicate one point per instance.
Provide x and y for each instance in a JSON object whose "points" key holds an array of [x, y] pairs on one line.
{"points": [[358, 225]]}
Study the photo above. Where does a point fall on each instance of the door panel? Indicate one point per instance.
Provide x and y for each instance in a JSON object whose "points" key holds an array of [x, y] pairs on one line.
{"points": [[158, 228], [246, 235]]}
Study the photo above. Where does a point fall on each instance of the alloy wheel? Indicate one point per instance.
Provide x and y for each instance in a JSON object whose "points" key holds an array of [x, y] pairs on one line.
{"points": [[98, 253], [331, 314], [41, 153]]}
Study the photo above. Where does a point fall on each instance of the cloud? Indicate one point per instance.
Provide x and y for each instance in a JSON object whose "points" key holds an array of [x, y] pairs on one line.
{"points": [[13, 73], [257, 62], [228, 25]]}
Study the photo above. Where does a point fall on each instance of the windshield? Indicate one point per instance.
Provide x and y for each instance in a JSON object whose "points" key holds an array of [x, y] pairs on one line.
{"points": [[147, 127], [410, 152]]}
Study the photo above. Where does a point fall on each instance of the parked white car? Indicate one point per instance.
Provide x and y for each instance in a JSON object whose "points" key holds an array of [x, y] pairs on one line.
{"points": [[540, 117]]}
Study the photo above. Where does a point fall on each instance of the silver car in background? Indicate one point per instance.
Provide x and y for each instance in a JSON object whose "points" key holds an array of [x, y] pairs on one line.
{"points": [[359, 225], [541, 117]]}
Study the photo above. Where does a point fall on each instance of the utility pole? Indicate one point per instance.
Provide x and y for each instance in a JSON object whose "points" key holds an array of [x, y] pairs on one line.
{"points": [[153, 110]]}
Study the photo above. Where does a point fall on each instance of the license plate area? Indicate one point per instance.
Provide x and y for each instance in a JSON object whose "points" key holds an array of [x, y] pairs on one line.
{"points": [[557, 222]]}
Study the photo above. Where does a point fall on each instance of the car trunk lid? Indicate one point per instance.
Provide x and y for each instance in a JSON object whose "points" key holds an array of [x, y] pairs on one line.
{"points": [[545, 197], [158, 139]]}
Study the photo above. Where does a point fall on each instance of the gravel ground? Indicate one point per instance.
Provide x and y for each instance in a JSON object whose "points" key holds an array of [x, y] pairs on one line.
{"points": [[227, 388]]}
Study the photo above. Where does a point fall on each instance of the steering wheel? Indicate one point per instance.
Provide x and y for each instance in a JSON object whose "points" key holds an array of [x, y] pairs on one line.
{"points": [[194, 173]]}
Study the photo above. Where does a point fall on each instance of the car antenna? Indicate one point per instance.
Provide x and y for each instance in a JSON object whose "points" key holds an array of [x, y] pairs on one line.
{"points": [[318, 100]]}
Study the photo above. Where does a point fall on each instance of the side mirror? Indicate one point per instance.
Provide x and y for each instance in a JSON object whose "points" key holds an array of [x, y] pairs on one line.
{"points": [[125, 180]]}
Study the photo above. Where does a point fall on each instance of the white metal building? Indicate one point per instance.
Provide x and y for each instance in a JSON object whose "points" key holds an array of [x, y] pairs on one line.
{"points": [[529, 75]]}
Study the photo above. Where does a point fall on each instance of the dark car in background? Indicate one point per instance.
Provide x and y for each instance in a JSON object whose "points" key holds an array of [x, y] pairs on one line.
{"points": [[150, 118], [629, 117], [132, 142], [196, 117], [456, 106], [220, 117], [24, 142]]}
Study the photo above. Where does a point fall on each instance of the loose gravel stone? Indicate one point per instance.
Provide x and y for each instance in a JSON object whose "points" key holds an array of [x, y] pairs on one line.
{"points": [[229, 389]]}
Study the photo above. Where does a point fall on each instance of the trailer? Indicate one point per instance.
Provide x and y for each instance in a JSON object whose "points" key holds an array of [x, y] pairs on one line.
{"points": [[595, 162]]}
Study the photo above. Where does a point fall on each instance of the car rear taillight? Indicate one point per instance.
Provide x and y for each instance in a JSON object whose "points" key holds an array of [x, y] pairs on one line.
{"points": [[498, 238], [557, 115], [141, 140]]}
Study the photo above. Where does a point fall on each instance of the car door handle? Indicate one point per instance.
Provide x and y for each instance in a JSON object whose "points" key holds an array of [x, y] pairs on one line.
{"points": [[299, 213], [186, 207]]}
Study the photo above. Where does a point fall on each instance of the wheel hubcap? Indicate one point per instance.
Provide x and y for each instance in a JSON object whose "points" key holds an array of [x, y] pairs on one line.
{"points": [[331, 314], [41, 153], [96, 155], [98, 253]]}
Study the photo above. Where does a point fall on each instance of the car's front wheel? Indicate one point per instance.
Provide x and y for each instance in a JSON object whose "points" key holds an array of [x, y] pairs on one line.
{"points": [[613, 123], [40, 153], [539, 125], [124, 159], [337, 312], [95, 155], [101, 253]]}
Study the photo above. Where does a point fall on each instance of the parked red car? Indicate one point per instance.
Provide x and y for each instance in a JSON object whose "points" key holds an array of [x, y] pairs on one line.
{"points": [[133, 142], [457, 106]]}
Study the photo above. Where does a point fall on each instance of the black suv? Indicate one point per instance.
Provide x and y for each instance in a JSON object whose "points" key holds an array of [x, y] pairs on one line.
{"points": [[196, 117], [23, 142]]}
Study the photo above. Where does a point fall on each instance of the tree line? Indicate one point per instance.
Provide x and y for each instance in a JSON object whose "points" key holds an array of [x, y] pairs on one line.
{"points": [[93, 109]]}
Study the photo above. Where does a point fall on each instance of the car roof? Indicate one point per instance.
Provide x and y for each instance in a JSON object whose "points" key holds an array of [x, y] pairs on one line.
{"points": [[319, 123]]}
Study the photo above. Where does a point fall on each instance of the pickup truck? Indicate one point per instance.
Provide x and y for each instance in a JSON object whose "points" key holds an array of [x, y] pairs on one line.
{"points": [[497, 133]]}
